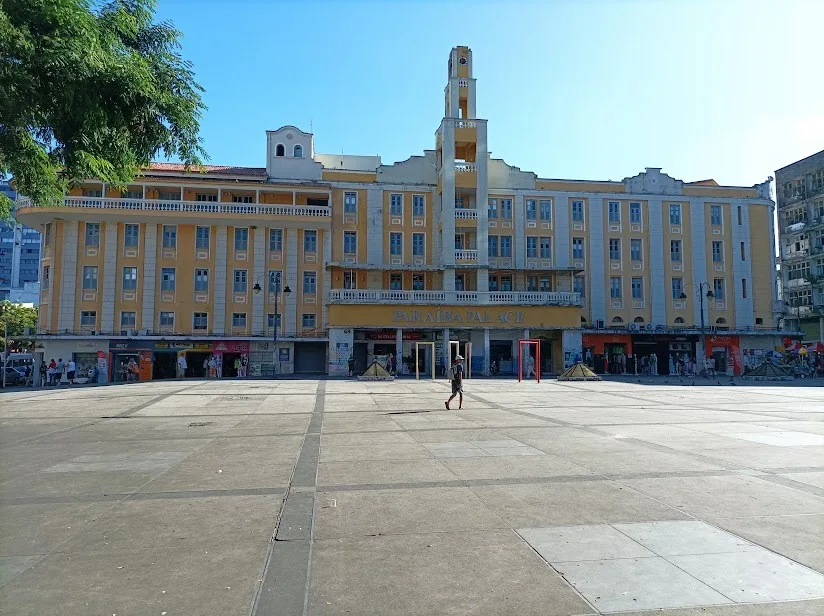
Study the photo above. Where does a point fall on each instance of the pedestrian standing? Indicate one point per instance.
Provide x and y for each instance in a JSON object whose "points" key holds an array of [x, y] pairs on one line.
{"points": [[43, 372], [351, 365], [52, 370], [181, 365], [456, 373], [70, 368], [60, 370]]}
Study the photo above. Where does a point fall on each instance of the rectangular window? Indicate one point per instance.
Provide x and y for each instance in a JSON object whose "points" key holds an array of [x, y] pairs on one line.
{"points": [[350, 202], [718, 252], [546, 210], [615, 211], [396, 244], [715, 214], [238, 319], [531, 209], [92, 192], [129, 278], [418, 244], [128, 319], [506, 246], [614, 249], [615, 288], [418, 282], [718, 288], [506, 208], [202, 238], [47, 235], [506, 283], [493, 283], [205, 197], [546, 247], [577, 248], [578, 211], [270, 320], [274, 281], [677, 287], [243, 198], [396, 204], [579, 285], [167, 195], [532, 283], [675, 213], [200, 321], [740, 221], [131, 236], [743, 252], [635, 212], [45, 276], [744, 288], [493, 208], [350, 242], [418, 206], [310, 284], [675, 250], [492, 245], [531, 247], [92, 234], [88, 317], [637, 288], [167, 279], [350, 280], [169, 236], [308, 321], [635, 249], [275, 240], [546, 284], [310, 241], [167, 319], [395, 282], [90, 278], [241, 281], [241, 238], [202, 280], [131, 194]]}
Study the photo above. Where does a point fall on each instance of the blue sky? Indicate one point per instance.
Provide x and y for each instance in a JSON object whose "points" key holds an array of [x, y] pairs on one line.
{"points": [[572, 89]]}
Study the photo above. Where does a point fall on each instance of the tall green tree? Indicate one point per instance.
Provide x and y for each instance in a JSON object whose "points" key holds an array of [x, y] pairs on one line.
{"points": [[17, 319], [91, 90]]}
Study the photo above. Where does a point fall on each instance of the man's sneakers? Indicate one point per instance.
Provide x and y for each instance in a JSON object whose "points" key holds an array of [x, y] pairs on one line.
{"points": [[446, 404]]}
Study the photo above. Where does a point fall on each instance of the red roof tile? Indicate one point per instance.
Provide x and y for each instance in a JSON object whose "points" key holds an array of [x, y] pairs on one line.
{"points": [[218, 169]]}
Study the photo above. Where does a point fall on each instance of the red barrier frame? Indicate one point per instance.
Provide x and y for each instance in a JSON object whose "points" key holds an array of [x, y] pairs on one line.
{"points": [[537, 344]]}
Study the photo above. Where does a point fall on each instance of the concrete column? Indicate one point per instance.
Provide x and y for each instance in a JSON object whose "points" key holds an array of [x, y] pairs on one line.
{"points": [[106, 323], [149, 275], [526, 334], [68, 282], [483, 279], [449, 279], [487, 352], [258, 273], [399, 350], [289, 310], [821, 328], [221, 247], [519, 234], [447, 356]]}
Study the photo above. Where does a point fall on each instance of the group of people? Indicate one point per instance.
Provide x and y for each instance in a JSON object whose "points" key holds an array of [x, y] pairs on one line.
{"points": [[56, 371], [213, 366]]}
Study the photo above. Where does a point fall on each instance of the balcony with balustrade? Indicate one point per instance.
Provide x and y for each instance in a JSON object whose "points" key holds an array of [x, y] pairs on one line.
{"points": [[469, 298]]}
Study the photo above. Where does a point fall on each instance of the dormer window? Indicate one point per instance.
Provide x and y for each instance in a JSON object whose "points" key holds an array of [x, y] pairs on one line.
{"points": [[280, 150], [298, 151]]}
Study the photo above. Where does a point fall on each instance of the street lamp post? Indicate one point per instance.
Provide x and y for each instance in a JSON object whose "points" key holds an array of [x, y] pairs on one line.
{"points": [[277, 291], [710, 295]]}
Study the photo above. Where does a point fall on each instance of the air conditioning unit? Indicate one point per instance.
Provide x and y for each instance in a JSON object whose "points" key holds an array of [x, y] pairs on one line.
{"points": [[143, 332], [649, 327], [599, 324], [633, 327]]}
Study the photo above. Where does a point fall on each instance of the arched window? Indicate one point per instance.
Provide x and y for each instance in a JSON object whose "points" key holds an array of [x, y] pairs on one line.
{"points": [[639, 319], [298, 151], [280, 150], [721, 322], [617, 320], [679, 320]]}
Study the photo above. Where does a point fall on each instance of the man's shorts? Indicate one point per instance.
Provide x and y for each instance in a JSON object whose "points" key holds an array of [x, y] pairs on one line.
{"points": [[456, 387], [70, 376]]}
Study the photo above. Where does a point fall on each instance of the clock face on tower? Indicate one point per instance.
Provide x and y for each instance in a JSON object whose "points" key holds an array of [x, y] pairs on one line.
{"points": [[462, 60]]}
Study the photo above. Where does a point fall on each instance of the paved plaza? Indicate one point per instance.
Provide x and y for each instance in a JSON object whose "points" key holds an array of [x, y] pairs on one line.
{"points": [[330, 497]]}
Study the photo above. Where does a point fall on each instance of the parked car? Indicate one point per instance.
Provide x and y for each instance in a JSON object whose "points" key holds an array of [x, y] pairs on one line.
{"points": [[13, 376]]}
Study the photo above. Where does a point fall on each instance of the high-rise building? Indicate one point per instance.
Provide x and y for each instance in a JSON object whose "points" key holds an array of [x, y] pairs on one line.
{"points": [[19, 258], [800, 193], [448, 245]]}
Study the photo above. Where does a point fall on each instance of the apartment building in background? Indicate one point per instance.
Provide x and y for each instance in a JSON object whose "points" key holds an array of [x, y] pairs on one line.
{"points": [[800, 195], [448, 245], [19, 258]]}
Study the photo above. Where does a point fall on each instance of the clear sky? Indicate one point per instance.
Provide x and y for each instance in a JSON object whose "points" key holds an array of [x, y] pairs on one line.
{"points": [[582, 89]]}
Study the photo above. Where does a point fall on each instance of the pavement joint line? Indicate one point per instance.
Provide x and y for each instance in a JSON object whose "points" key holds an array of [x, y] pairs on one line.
{"points": [[283, 586], [141, 496], [148, 403], [791, 483]]}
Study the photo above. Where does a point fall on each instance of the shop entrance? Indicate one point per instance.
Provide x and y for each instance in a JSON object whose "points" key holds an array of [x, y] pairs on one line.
{"points": [[719, 356], [194, 364], [360, 353], [615, 356], [310, 357], [229, 370], [500, 357], [165, 365], [121, 372]]}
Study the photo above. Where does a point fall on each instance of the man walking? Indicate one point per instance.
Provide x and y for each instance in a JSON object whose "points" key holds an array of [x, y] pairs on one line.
{"points": [[456, 375], [181, 365], [70, 372]]}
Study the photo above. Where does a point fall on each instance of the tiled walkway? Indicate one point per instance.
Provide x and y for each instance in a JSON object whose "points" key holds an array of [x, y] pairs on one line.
{"points": [[339, 497]]}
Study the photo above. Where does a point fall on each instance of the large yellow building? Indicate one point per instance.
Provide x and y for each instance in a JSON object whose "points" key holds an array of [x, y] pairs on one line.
{"points": [[448, 245]]}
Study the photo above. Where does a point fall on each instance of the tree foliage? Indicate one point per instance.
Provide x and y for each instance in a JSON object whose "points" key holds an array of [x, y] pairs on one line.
{"points": [[17, 318], [91, 90]]}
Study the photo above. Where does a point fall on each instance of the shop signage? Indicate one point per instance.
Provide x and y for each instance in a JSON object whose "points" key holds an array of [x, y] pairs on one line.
{"points": [[283, 354], [407, 335], [172, 345], [724, 340], [507, 317], [231, 346], [130, 344]]}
